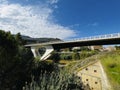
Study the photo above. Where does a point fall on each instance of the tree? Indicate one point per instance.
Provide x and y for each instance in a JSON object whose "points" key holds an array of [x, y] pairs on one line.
{"points": [[55, 57], [19, 39], [117, 47], [15, 62]]}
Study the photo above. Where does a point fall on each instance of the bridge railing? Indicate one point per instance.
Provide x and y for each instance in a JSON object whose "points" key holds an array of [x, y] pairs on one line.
{"points": [[107, 36]]}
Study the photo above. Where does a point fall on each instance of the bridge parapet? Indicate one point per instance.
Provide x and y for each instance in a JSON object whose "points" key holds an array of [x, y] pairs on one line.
{"points": [[107, 36]]}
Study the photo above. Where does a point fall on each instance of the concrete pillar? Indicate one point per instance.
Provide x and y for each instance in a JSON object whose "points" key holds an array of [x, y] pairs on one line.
{"points": [[35, 51], [49, 50]]}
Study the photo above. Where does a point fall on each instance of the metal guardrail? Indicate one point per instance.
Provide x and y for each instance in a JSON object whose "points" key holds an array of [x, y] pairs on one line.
{"points": [[107, 36]]}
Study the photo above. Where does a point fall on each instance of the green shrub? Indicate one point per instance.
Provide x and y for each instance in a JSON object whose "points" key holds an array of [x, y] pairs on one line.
{"points": [[75, 56], [67, 56], [62, 80], [55, 57]]}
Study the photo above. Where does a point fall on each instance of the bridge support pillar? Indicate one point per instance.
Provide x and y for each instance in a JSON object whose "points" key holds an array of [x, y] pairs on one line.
{"points": [[48, 51], [47, 54], [35, 52]]}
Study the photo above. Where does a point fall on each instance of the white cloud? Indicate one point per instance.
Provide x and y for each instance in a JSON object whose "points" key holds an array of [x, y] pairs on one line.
{"points": [[35, 21], [53, 1]]}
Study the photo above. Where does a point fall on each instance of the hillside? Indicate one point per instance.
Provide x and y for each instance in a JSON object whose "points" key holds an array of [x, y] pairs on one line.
{"points": [[31, 40]]}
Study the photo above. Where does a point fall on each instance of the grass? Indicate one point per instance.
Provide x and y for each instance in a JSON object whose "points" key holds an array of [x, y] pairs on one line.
{"points": [[111, 64], [63, 62]]}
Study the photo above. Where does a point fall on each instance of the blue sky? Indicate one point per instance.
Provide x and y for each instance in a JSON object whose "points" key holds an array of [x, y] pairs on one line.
{"points": [[65, 19], [90, 17]]}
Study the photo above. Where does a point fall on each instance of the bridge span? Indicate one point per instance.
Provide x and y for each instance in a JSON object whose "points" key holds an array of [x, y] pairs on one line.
{"points": [[86, 41]]}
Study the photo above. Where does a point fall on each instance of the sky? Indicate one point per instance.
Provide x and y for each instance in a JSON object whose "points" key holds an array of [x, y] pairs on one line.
{"points": [[64, 19]]}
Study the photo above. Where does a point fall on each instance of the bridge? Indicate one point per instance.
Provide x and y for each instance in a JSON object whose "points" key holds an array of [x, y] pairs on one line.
{"points": [[107, 39]]}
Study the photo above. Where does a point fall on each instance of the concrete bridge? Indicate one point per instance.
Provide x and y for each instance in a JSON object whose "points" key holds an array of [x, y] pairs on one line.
{"points": [[86, 41]]}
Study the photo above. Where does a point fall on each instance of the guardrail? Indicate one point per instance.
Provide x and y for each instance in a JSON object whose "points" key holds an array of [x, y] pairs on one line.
{"points": [[107, 36]]}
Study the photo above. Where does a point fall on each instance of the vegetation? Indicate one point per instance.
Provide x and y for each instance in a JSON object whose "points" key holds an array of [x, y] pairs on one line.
{"points": [[62, 80], [85, 54], [55, 57], [19, 69], [17, 65], [75, 55], [117, 47], [15, 62], [111, 63], [48, 76], [64, 56]]}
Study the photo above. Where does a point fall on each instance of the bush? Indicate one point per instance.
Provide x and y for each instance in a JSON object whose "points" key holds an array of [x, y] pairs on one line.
{"points": [[68, 57], [55, 57], [112, 65], [43, 66], [75, 56], [55, 81], [85, 54]]}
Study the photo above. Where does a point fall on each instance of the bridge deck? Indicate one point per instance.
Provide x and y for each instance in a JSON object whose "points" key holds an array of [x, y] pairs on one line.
{"points": [[87, 41]]}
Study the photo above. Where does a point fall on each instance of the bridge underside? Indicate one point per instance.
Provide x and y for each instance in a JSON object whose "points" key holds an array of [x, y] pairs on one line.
{"points": [[87, 43]]}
